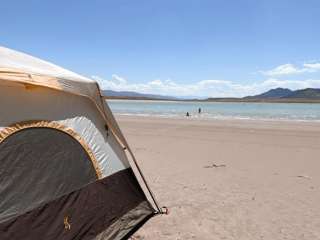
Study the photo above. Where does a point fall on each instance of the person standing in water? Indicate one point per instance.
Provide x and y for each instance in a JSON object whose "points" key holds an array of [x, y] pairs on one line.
{"points": [[187, 114], [199, 110]]}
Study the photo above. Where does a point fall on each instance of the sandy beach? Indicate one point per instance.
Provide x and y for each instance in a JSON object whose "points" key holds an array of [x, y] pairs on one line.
{"points": [[229, 179]]}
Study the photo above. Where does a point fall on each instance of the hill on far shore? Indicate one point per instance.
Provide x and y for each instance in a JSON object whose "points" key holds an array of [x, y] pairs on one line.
{"points": [[285, 93], [273, 95]]}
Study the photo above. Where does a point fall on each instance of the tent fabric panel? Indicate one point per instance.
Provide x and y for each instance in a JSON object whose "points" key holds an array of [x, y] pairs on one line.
{"points": [[115, 202], [75, 112], [38, 165], [129, 223], [13, 59], [20, 67], [90, 90], [113, 121]]}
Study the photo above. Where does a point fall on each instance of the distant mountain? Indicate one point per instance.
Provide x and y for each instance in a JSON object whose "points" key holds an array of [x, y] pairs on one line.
{"points": [[134, 95], [273, 93], [285, 93], [308, 93]]}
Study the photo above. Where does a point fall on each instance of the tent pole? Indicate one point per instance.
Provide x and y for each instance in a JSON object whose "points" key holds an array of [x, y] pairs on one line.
{"points": [[145, 181]]}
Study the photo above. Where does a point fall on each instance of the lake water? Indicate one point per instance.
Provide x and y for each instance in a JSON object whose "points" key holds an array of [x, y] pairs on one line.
{"points": [[211, 110]]}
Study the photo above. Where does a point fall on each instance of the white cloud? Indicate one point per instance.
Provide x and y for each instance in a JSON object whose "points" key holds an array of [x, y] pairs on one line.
{"points": [[314, 66], [204, 88], [290, 69], [118, 80]]}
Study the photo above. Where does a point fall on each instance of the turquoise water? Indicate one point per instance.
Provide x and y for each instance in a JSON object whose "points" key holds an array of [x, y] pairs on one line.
{"points": [[210, 110]]}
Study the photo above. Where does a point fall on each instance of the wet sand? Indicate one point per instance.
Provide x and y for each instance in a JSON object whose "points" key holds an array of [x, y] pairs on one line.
{"points": [[229, 179]]}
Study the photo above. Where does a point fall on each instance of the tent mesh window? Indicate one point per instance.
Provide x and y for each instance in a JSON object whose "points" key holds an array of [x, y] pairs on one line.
{"points": [[38, 165]]}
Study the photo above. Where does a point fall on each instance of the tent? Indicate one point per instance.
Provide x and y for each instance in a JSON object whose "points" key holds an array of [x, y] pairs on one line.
{"points": [[65, 167]]}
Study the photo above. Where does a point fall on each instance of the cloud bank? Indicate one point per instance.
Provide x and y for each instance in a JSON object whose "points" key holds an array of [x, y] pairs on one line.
{"points": [[290, 69], [205, 88]]}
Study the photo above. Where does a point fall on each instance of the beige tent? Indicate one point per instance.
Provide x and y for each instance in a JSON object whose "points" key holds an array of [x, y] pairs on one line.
{"points": [[64, 171]]}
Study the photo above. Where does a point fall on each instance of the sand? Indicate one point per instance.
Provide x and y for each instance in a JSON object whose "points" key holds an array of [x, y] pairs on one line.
{"points": [[268, 186]]}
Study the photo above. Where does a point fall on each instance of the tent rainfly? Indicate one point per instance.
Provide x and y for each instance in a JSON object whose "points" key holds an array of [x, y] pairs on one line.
{"points": [[64, 163]]}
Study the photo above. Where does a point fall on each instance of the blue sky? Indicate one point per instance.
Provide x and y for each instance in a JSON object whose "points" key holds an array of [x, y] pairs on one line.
{"points": [[174, 47]]}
